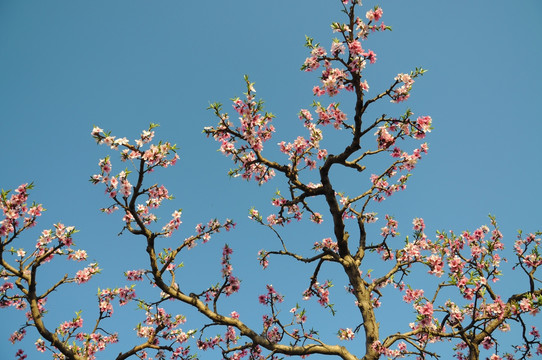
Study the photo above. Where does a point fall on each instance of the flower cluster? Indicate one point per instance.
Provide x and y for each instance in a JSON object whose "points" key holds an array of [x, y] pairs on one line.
{"points": [[391, 354], [135, 275], [17, 336], [160, 324], [528, 251], [321, 291], [120, 188], [299, 316], [335, 79], [255, 129], [84, 275], [346, 334], [47, 247], [106, 296], [232, 284], [471, 263], [403, 92], [17, 215], [262, 258], [68, 327], [20, 355], [326, 244], [271, 297], [204, 231]]}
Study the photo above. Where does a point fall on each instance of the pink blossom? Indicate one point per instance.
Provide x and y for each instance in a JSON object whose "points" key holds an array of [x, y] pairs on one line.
{"points": [[262, 257], [436, 264], [370, 55], [487, 343], [337, 48], [6, 286], [274, 335], [346, 334], [134, 275], [412, 295], [317, 218], [355, 48], [322, 154], [40, 345], [374, 15], [84, 275], [311, 63], [326, 243], [231, 335], [17, 336], [35, 210], [20, 355], [78, 255], [419, 225], [525, 305], [364, 85], [317, 91], [384, 138], [427, 309], [424, 122]]}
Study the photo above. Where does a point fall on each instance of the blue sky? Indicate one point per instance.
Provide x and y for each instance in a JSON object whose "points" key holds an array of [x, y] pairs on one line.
{"points": [[68, 65]]}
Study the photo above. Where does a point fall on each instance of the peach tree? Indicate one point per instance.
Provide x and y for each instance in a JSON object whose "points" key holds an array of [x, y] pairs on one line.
{"points": [[458, 304]]}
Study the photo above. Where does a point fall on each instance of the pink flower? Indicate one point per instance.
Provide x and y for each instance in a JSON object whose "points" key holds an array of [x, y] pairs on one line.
{"points": [[319, 52], [322, 154], [374, 15], [317, 218], [35, 210], [40, 345], [455, 264], [311, 63], [326, 243], [5, 287], [355, 48], [126, 188], [525, 305], [17, 336], [20, 355], [436, 264], [96, 131], [274, 335], [84, 275], [346, 334], [78, 255], [134, 275], [384, 138], [412, 295], [371, 56], [418, 223], [487, 343], [426, 309], [337, 48], [424, 122], [231, 335]]}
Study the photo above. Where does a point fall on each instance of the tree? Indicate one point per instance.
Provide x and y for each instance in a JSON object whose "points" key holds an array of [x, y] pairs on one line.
{"points": [[459, 304]]}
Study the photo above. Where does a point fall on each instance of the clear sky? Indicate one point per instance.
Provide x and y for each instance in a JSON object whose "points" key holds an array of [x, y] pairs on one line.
{"points": [[68, 65]]}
